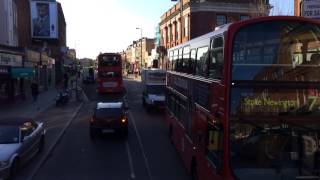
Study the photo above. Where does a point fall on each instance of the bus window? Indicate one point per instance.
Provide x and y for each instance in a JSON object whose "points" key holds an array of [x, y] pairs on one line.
{"points": [[175, 59], [216, 58], [215, 145], [185, 59], [192, 61], [179, 61], [201, 65]]}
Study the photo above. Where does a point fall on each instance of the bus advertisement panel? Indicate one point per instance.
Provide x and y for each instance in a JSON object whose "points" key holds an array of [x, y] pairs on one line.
{"points": [[110, 73], [252, 106]]}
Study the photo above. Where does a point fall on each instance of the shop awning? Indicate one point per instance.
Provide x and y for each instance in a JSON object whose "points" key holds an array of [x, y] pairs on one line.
{"points": [[22, 72]]}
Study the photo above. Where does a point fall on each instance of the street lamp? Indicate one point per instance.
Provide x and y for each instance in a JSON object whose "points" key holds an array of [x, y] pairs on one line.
{"points": [[141, 47]]}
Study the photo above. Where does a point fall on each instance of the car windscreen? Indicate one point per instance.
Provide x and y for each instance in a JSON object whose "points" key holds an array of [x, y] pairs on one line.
{"points": [[155, 89], [9, 134], [108, 113]]}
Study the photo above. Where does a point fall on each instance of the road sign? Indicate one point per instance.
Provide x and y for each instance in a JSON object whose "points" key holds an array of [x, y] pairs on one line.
{"points": [[311, 9]]}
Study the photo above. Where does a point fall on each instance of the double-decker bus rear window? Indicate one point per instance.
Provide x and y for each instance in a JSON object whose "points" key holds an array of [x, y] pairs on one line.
{"points": [[277, 51], [275, 101], [105, 74], [109, 61]]}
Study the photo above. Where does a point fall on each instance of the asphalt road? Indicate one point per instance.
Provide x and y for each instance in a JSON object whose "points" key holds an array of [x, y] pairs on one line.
{"points": [[147, 154]]}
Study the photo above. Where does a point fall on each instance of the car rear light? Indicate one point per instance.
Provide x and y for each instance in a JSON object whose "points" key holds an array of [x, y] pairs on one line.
{"points": [[124, 119], [92, 119]]}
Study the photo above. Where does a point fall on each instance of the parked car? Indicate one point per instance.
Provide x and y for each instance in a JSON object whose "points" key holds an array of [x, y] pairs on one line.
{"points": [[20, 140], [109, 117]]}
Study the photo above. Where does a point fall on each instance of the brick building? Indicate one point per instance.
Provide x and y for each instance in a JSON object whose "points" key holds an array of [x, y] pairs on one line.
{"points": [[202, 16], [312, 8], [133, 52], [50, 47], [8, 23]]}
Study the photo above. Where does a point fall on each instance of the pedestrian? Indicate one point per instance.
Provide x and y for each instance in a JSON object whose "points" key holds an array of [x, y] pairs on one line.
{"points": [[34, 90], [136, 72], [66, 81]]}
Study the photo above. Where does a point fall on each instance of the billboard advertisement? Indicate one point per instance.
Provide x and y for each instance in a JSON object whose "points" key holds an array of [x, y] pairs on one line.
{"points": [[44, 20], [311, 9]]}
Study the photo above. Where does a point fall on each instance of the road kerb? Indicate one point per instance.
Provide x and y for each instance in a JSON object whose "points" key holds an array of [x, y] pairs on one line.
{"points": [[53, 145]]}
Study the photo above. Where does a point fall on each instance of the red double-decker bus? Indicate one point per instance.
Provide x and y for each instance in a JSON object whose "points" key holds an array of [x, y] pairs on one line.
{"points": [[109, 73], [243, 101]]}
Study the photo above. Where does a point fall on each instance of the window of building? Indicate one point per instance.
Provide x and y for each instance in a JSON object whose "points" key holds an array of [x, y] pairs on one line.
{"points": [[221, 19], [244, 17], [186, 26], [216, 58], [171, 33], [201, 64], [178, 29]]}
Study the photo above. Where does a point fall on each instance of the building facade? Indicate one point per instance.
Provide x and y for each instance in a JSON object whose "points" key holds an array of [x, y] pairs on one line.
{"points": [[297, 7], [52, 47], [188, 19], [138, 53], [8, 23], [308, 9]]}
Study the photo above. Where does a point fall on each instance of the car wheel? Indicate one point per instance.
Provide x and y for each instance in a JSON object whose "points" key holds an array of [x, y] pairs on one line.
{"points": [[143, 102], [125, 132], [14, 168], [93, 133], [194, 172], [148, 108], [41, 144]]}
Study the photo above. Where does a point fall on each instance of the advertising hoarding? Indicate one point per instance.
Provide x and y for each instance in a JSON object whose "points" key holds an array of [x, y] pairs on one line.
{"points": [[311, 9], [44, 20]]}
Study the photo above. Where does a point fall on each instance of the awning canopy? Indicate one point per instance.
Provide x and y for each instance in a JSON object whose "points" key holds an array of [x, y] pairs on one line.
{"points": [[22, 72]]}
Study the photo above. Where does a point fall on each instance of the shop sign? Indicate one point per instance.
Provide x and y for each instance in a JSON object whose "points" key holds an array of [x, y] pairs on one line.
{"points": [[311, 9], [4, 70], [33, 56], [29, 64], [10, 59], [22, 72]]}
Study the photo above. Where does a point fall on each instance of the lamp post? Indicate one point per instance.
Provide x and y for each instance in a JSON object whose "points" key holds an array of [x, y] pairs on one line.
{"points": [[141, 47]]}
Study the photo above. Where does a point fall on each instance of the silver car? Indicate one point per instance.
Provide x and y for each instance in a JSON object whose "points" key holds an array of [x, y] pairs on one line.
{"points": [[20, 140]]}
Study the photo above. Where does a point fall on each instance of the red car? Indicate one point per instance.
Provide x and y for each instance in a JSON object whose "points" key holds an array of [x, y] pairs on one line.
{"points": [[109, 117]]}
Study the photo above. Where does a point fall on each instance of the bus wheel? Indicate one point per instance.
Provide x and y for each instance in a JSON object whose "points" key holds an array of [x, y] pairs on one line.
{"points": [[194, 172], [143, 102], [170, 134]]}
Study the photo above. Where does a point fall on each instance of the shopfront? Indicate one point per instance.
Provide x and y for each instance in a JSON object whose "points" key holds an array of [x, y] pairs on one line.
{"points": [[4, 83]]}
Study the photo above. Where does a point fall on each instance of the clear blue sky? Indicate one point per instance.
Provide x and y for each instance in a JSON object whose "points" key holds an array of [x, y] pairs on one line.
{"points": [[282, 7], [110, 25]]}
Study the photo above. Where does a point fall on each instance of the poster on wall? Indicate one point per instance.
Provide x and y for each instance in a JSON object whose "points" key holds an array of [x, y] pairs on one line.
{"points": [[44, 20], [311, 9]]}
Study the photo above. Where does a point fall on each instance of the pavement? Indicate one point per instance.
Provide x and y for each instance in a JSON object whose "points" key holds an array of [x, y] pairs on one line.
{"points": [[132, 77], [28, 108]]}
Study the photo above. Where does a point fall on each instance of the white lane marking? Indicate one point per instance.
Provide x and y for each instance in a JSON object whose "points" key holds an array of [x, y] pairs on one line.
{"points": [[141, 146], [132, 175]]}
